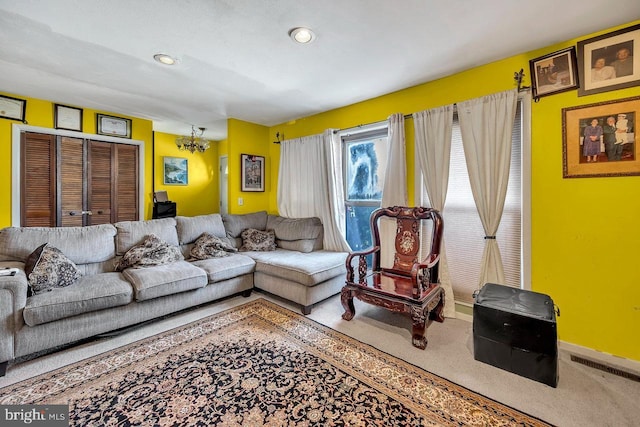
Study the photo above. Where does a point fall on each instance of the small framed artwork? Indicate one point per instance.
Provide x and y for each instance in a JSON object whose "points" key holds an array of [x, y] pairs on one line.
{"points": [[600, 139], [12, 108], [252, 172], [113, 126], [65, 117], [554, 73], [175, 171], [610, 61]]}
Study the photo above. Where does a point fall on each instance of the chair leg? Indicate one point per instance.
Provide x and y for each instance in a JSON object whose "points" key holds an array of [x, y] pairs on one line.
{"points": [[438, 312], [419, 321], [3, 368], [346, 298]]}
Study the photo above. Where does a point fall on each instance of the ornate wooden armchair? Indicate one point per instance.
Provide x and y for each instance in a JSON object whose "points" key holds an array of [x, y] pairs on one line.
{"points": [[410, 286]]}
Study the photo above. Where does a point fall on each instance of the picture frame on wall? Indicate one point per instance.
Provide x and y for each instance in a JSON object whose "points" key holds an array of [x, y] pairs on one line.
{"points": [[252, 172], [175, 171], [68, 118], [12, 108], [610, 61], [554, 73], [600, 140], [113, 126]]}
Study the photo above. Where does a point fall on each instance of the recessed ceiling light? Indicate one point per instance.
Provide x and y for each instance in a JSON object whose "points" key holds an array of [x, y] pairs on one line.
{"points": [[164, 59], [302, 35]]}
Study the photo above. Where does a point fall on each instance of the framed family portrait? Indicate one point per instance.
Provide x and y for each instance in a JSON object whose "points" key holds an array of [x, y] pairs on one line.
{"points": [[65, 117], [610, 61], [554, 73], [113, 126], [175, 171], [252, 172], [600, 139]]}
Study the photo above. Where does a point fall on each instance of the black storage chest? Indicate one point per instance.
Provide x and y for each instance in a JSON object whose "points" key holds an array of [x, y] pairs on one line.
{"points": [[515, 330]]}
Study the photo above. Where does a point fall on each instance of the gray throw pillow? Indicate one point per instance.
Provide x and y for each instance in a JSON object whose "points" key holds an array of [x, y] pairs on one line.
{"points": [[209, 246], [257, 240], [151, 251], [48, 268]]}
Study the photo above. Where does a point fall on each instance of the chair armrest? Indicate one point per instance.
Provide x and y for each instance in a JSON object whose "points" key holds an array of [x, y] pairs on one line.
{"points": [[13, 298], [362, 263], [426, 264]]}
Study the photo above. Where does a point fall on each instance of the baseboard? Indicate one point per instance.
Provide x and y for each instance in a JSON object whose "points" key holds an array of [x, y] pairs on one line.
{"points": [[606, 359]]}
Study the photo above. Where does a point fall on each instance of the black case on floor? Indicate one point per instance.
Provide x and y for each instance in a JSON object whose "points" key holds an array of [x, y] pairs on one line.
{"points": [[515, 330]]}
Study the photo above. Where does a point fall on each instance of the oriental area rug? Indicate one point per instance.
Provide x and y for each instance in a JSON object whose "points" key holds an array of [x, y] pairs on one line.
{"points": [[257, 365]]}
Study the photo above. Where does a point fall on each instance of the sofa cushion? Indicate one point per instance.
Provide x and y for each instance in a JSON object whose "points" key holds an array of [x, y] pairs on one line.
{"points": [[219, 269], [302, 245], [235, 224], [130, 233], [189, 228], [90, 293], [82, 245], [161, 280], [208, 246], [257, 240], [151, 251], [306, 268], [47, 268]]}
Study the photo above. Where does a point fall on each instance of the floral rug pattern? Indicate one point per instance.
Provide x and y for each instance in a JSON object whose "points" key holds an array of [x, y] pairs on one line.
{"points": [[257, 365]]}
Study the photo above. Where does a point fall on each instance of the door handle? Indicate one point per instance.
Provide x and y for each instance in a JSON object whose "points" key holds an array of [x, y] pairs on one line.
{"points": [[74, 213]]}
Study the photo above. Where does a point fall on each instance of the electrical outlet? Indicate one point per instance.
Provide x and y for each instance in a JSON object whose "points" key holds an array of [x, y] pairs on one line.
{"points": [[240, 201]]}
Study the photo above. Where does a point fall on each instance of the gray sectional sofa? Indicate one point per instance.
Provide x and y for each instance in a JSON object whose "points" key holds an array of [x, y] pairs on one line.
{"points": [[104, 300]]}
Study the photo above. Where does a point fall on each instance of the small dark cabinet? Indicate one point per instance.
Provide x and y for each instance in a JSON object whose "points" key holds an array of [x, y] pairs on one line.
{"points": [[164, 210], [515, 330]]}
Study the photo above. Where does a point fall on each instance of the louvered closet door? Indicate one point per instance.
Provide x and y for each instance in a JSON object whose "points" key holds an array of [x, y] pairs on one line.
{"points": [[75, 182], [71, 182], [38, 180], [100, 183], [126, 182]]}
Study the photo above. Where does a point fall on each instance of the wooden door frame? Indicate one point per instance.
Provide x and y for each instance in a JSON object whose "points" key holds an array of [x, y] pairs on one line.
{"points": [[17, 129]]}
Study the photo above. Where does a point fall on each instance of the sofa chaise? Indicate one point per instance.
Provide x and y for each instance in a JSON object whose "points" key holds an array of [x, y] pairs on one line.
{"points": [[102, 299]]}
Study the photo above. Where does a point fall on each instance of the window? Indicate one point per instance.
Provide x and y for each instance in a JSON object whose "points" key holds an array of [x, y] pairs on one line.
{"points": [[365, 155], [464, 235]]}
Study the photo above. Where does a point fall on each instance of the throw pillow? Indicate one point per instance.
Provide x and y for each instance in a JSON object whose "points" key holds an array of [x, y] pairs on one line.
{"points": [[48, 268], [151, 251], [257, 240], [210, 246]]}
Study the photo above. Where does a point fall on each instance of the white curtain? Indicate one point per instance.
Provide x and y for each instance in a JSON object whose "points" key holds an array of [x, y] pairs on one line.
{"points": [[486, 125], [394, 190], [433, 150], [310, 184]]}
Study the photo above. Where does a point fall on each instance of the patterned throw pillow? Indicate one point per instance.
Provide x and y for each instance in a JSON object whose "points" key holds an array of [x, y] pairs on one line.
{"points": [[151, 251], [256, 240], [210, 246], [47, 268]]}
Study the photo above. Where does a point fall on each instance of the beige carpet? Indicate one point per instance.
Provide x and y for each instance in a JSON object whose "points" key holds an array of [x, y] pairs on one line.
{"points": [[584, 396], [257, 364]]}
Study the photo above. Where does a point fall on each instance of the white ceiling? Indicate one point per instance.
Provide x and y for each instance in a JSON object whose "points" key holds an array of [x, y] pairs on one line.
{"points": [[236, 59]]}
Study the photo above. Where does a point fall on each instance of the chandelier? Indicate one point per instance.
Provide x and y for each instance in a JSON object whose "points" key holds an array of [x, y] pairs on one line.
{"points": [[194, 142]]}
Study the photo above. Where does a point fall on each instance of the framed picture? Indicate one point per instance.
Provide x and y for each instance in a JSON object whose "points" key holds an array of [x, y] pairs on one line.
{"points": [[252, 172], [600, 139], [175, 171], [610, 61], [113, 126], [554, 73], [65, 117], [12, 108]]}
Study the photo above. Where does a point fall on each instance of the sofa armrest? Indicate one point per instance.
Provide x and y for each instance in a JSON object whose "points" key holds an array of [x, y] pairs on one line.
{"points": [[13, 298]]}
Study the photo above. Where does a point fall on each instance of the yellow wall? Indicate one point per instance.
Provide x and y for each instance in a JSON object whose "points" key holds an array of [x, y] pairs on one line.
{"points": [[201, 195], [40, 113], [585, 232], [248, 138]]}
